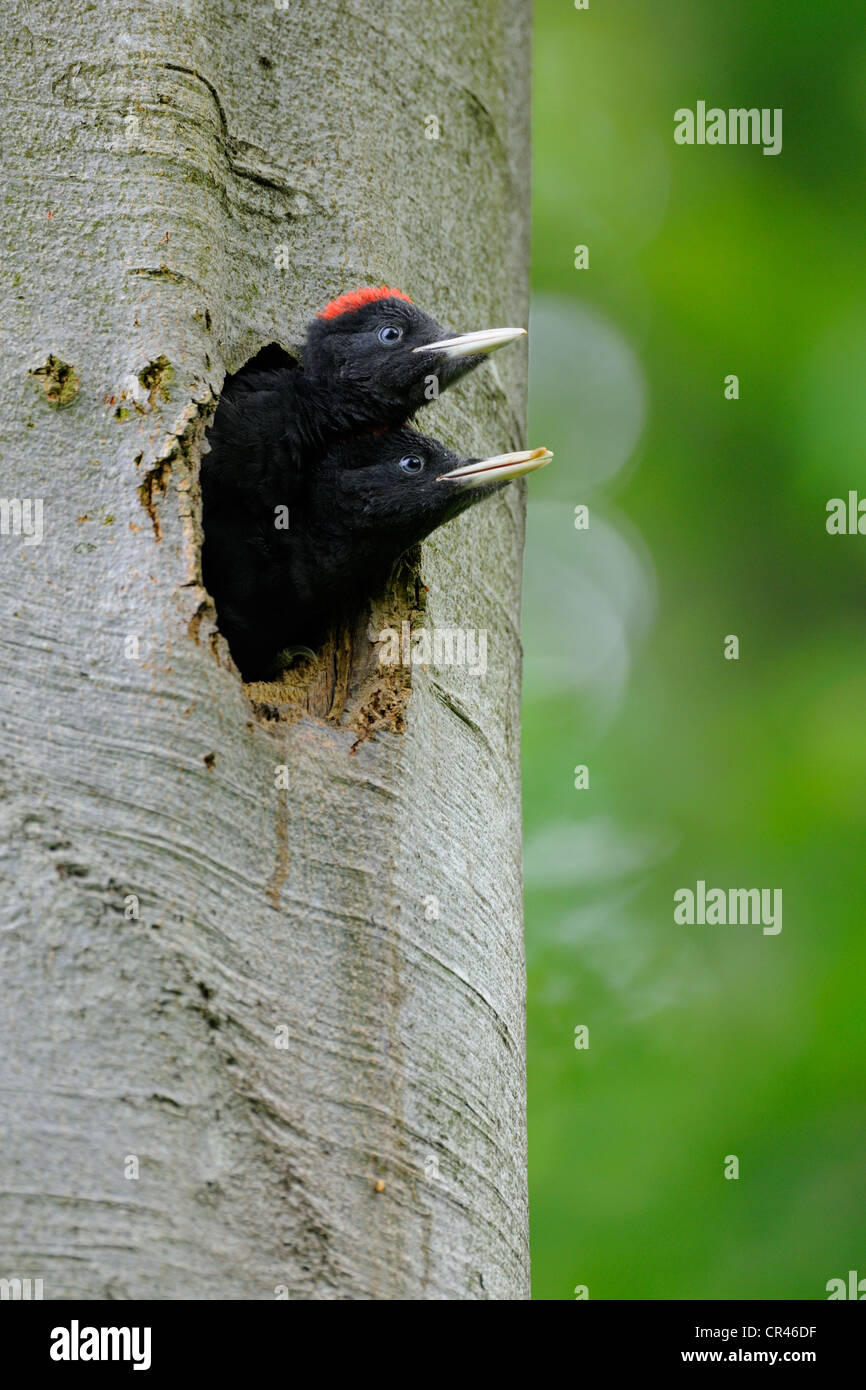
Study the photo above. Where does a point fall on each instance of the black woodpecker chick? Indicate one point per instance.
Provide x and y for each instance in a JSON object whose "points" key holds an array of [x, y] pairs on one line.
{"points": [[365, 503], [370, 360]]}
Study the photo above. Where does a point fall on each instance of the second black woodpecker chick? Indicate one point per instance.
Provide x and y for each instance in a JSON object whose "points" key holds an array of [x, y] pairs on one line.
{"points": [[365, 503]]}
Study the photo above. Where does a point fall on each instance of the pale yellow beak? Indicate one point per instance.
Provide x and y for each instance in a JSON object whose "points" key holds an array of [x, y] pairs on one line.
{"points": [[499, 469], [471, 344]]}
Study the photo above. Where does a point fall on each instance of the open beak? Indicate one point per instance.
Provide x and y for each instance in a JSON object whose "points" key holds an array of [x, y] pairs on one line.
{"points": [[473, 344], [497, 470]]}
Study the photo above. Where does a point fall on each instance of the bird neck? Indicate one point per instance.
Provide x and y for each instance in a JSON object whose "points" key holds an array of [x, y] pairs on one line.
{"points": [[332, 414]]}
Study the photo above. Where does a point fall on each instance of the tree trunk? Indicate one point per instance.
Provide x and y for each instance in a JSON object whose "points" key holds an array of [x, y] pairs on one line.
{"points": [[258, 1039]]}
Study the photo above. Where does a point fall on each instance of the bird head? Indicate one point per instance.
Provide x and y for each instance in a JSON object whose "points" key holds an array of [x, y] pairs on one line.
{"points": [[390, 490], [385, 358]]}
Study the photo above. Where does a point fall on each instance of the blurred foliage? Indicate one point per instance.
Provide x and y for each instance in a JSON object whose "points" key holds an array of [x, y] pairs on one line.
{"points": [[707, 518]]}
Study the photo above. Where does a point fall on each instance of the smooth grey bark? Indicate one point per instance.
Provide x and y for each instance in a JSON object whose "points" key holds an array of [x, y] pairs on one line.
{"points": [[299, 1013]]}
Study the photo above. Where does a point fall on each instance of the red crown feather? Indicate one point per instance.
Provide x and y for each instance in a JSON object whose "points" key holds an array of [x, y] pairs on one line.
{"points": [[356, 299]]}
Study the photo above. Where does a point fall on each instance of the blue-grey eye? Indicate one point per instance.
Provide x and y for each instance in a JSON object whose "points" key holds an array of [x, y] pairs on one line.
{"points": [[390, 334], [411, 463]]}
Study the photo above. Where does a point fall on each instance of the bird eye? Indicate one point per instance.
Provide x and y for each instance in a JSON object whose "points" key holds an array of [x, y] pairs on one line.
{"points": [[390, 334], [411, 463]]}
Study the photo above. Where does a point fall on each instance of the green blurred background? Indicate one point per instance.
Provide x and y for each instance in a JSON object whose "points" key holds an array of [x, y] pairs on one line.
{"points": [[707, 518]]}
